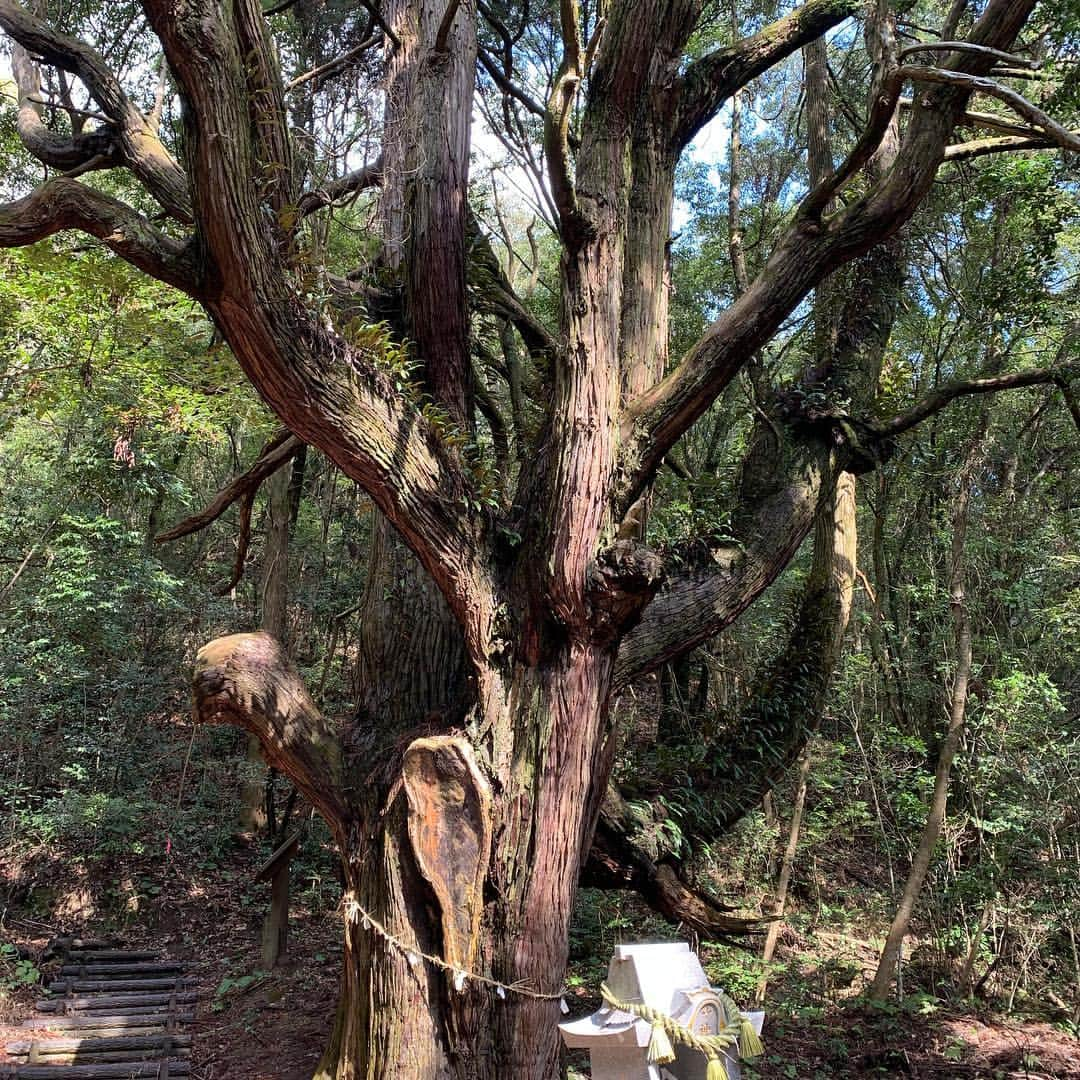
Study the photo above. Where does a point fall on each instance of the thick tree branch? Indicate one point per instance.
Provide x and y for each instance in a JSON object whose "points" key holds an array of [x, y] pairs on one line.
{"points": [[63, 203], [333, 191], [812, 249], [560, 107], [334, 394], [249, 681], [939, 398], [704, 595], [137, 142], [1001, 144], [77, 151], [618, 859], [710, 81], [497, 295], [277, 452]]}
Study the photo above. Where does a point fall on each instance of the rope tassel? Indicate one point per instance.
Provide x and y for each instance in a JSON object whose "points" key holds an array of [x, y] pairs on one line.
{"points": [[736, 1031], [750, 1045], [660, 1051], [716, 1069]]}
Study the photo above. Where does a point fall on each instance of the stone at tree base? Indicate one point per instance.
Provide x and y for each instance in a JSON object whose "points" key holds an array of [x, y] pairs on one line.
{"points": [[666, 977]]}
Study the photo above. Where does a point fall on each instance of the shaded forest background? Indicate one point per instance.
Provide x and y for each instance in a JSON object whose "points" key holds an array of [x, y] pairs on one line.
{"points": [[121, 414]]}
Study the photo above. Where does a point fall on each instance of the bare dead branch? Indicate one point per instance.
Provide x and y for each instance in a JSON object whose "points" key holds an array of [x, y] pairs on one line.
{"points": [[277, 452], [1071, 401], [968, 47], [243, 542], [939, 398], [334, 67], [1032, 113], [507, 85], [990, 121], [367, 176]]}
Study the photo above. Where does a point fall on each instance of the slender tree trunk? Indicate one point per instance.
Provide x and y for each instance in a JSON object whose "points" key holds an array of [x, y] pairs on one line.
{"points": [[273, 603], [786, 867], [920, 863]]}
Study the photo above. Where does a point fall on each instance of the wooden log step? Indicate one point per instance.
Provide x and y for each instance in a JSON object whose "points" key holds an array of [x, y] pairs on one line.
{"points": [[111, 971], [116, 1057], [104, 1002], [100, 1057], [136, 1070], [157, 1044], [119, 1022], [124, 1010], [117, 1010], [92, 986], [75, 943], [110, 956]]}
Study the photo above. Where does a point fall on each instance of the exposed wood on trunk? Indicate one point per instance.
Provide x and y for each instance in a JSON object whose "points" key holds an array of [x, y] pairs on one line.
{"points": [[450, 829]]}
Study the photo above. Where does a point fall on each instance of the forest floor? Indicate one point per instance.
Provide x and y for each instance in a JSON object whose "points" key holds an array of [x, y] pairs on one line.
{"points": [[255, 1025], [191, 895]]}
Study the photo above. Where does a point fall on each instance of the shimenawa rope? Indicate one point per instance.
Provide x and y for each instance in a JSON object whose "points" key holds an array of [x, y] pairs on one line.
{"points": [[737, 1028]]}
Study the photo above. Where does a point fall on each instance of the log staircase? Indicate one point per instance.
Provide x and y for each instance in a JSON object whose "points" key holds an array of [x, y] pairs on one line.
{"points": [[111, 1014]]}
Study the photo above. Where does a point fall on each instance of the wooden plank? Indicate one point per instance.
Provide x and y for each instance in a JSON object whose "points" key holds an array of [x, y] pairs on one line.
{"points": [[138, 1070], [160, 1043], [118, 1021], [109, 956], [92, 986], [283, 855], [111, 971], [103, 1002]]}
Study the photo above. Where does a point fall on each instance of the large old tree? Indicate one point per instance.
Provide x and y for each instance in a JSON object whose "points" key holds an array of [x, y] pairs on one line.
{"points": [[512, 590]]}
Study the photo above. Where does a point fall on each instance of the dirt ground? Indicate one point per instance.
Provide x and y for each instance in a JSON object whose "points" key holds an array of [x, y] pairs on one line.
{"points": [[252, 1025]]}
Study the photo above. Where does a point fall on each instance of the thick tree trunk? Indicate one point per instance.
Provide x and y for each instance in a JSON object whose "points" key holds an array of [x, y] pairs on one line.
{"points": [[413, 665], [498, 906]]}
